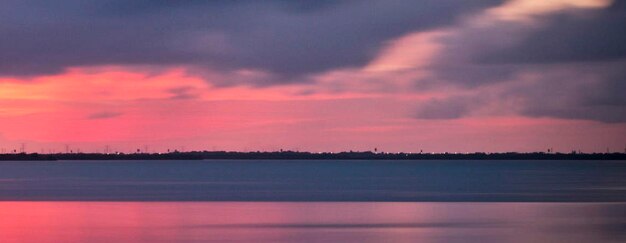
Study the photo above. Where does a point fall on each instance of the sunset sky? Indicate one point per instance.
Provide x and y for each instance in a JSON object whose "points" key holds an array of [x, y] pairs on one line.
{"points": [[397, 75]]}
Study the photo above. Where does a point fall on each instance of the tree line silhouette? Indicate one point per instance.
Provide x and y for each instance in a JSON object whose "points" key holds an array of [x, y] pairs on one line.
{"points": [[297, 155]]}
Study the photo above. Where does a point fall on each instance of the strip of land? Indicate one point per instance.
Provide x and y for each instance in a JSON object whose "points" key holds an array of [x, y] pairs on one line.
{"points": [[293, 155]]}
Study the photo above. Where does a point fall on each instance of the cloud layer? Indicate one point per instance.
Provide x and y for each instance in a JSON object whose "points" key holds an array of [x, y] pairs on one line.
{"points": [[564, 62], [287, 38]]}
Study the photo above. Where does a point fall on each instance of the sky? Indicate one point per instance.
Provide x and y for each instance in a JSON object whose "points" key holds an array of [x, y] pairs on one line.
{"points": [[396, 75]]}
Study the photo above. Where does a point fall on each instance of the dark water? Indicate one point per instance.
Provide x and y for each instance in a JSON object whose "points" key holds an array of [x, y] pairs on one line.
{"points": [[154, 222], [480, 181], [312, 201]]}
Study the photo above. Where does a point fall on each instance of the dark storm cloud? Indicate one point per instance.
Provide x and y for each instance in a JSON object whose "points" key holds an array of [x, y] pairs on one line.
{"points": [[587, 91], [578, 95], [586, 35], [472, 75], [289, 38], [448, 108], [570, 66]]}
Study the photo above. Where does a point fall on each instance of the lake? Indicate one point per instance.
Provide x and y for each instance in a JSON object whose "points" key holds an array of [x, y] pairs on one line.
{"points": [[312, 201], [153, 222], [324, 180]]}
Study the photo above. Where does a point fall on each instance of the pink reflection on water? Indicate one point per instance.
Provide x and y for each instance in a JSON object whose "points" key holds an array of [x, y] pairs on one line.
{"points": [[35, 222]]}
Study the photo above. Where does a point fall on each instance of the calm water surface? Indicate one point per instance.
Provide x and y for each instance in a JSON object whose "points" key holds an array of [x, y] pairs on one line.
{"points": [[138, 222], [326, 180], [337, 201]]}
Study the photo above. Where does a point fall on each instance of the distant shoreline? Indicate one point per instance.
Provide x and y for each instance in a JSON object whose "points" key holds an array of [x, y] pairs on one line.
{"points": [[292, 155]]}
